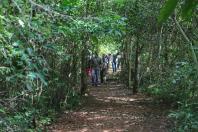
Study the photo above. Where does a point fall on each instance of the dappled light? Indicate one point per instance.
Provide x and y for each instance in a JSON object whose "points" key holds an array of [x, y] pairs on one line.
{"points": [[117, 99], [121, 99], [98, 65], [110, 109]]}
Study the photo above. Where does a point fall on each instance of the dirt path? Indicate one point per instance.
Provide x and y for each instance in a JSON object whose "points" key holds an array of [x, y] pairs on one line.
{"points": [[109, 108]]}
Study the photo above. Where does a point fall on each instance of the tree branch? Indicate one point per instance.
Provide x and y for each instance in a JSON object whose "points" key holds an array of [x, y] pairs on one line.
{"points": [[18, 7], [188, 40], [51, 11], [47, 9]]}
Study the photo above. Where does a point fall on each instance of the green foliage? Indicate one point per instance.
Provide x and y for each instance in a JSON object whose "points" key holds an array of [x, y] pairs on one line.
{"points": [[178, 86], [108, 46], [41, 46], [73, 100], [179, 89], [23, 121], [69, 2], [184, 77], [40, 61], [188, 9], [186, 117], [167, 10]]}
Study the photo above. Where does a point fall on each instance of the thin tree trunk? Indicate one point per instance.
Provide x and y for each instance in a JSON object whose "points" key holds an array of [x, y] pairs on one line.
{"points": [[129, 50], [188, 40], [135, 84], [83, 72], [84, 84], [160, 49]]}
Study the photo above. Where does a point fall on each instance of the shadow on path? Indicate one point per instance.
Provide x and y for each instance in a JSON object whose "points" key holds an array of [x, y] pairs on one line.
{"points": [[109, 108]]}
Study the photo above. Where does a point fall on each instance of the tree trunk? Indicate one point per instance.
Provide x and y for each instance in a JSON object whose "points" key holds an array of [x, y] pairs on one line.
{"points": [[129, 50], [83, 68], [135, 84], [84, 84], [189, 41]]}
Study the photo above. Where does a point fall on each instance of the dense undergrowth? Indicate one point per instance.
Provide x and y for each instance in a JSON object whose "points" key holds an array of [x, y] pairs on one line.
{"points": [[178, 89]]}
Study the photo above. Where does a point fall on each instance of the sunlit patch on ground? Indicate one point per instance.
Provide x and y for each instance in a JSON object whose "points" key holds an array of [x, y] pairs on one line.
{"points": [[125, 99]]}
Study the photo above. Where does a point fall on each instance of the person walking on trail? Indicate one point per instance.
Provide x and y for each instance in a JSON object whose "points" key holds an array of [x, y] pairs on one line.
{"points": [[118, 60], [114, 63], [109, 60], [95, 64], [88, 67], [103, 69]]}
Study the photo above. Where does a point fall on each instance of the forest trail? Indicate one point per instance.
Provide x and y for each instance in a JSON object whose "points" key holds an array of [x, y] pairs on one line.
{"points": [[110, 108]]}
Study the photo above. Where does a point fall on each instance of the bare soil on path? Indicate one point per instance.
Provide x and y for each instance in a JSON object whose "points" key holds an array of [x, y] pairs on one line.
{"points": [[110, 108]]}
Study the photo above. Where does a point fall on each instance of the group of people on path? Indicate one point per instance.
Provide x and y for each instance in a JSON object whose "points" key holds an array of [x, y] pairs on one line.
{"points": [[97, 67]]}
